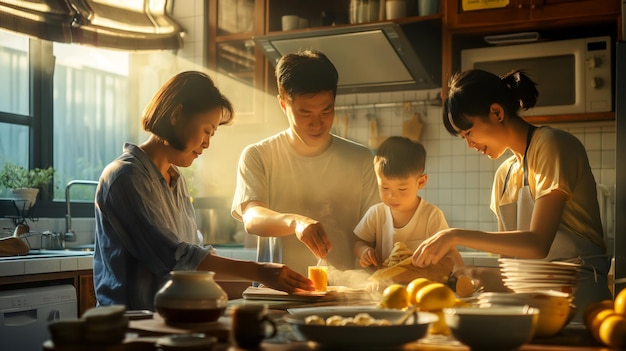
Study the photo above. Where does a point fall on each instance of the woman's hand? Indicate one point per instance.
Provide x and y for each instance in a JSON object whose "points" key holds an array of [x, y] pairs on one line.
{"points": [[312, 234], [280, 277], [434, 248]]}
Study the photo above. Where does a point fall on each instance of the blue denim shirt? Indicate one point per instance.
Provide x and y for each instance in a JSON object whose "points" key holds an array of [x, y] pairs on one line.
{"points": [[144, 230]]}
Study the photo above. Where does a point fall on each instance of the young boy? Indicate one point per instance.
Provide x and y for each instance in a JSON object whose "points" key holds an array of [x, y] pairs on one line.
{"points": [[402, 216]]}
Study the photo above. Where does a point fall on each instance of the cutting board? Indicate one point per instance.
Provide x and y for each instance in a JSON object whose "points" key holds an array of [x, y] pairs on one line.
{"points": [[262, 293], [412, 128]]}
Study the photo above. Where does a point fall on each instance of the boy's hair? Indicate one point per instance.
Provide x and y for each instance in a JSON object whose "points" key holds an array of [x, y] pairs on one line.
{"points": [[305, 72], [400, 157]]}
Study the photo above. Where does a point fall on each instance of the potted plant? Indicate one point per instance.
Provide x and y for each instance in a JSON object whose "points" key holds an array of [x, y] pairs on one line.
{"points": [[25, 183]]}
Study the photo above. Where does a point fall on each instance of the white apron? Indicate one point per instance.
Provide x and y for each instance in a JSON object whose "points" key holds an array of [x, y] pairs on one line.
{"points": [[566, 246]]}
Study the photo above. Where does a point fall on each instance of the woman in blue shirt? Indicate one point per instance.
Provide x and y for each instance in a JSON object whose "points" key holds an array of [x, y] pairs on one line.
{"points": [[145, 221]]}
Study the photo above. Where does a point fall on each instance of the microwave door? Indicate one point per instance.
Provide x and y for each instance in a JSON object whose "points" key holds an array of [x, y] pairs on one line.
{"points": [[555, 77]]}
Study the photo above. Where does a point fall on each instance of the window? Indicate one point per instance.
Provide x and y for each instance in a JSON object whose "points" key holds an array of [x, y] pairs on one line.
{"points": [[91, 116], [71, 107]]}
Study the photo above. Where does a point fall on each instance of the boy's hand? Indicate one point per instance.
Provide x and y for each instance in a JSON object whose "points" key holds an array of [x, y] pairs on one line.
{"points": [[368, 258]]}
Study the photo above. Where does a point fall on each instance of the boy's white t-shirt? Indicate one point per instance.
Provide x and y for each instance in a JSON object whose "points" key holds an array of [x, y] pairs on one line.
{"points": [[377, 227]]}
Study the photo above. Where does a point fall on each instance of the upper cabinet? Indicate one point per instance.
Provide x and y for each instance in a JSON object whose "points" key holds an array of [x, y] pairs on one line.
{"points": [[232, 55], [467, 22], [247, 76], [469, 14]]}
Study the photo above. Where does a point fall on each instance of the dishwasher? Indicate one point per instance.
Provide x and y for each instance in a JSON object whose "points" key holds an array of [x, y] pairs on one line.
{"points": [[25, 314]]}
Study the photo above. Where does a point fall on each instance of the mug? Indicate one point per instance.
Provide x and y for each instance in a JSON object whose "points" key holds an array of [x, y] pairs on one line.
{"points": [[290, 22], [250, 325]]}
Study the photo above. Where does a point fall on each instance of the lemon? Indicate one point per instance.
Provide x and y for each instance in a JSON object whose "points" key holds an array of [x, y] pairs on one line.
{"points": [[439, 327], [597, 320], [593, 308], [612, 331], [620, 302], [395, 296], [414, 286], [435, 296]]}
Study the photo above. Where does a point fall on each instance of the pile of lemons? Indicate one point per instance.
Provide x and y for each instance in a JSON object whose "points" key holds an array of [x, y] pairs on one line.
{"points": [[424, 294], [606, 320]]}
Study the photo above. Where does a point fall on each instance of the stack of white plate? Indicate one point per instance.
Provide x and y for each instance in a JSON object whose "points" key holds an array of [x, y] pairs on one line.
{"points": [[523, 275]]}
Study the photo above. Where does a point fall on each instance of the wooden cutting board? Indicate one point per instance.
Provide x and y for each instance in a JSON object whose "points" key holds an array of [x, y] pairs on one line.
{"points": [[256, 293], [412, 128]]}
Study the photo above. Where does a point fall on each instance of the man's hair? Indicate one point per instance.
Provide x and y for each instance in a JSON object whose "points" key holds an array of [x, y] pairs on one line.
{"points": [[305, 72]]}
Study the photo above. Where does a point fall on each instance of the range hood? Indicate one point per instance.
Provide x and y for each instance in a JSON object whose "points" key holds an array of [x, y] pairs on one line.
{"points": [[374, 57]]}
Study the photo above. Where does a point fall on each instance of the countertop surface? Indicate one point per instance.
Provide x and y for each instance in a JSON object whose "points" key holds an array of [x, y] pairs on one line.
{"points": [[50, 261], [143, 335], [46, 261]]}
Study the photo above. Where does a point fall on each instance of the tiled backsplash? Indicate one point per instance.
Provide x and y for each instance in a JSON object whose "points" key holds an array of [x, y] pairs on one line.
{"points": [[459, 178]]}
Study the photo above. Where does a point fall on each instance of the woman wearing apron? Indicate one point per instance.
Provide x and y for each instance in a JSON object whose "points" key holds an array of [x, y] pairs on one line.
{"points": [[544, 195]]}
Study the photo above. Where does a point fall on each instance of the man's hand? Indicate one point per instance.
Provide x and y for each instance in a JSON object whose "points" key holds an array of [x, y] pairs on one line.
{"points": [[311, 233]]}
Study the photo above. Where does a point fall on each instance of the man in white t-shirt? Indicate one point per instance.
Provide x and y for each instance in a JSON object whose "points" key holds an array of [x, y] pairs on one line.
{"points": [[402, 216], [303, 190]]}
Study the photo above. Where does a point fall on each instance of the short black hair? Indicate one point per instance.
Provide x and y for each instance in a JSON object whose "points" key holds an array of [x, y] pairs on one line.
{"points": [[400, 157], [305, 72]]}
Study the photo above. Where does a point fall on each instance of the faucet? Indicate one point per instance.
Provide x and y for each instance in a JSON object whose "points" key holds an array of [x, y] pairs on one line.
{"points": [[69, 234]]}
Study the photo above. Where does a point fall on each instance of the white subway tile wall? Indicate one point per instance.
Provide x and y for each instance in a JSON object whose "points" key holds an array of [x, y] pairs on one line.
{"points": [[459, 178], [191, 14]]}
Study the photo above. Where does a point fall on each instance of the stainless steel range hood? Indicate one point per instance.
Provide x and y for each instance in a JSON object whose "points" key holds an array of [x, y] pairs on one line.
{"points": [[383, 56]]}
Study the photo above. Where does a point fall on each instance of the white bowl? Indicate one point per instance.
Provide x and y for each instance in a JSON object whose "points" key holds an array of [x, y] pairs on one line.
{"points": [[554, 307], [493, 328]]}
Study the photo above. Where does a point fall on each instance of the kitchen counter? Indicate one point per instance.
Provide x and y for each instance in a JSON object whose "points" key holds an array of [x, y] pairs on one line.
{"points": [[46, 261]]}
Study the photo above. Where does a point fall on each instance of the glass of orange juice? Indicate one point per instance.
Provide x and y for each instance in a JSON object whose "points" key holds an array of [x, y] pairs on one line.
{"points": [[319, 277]]}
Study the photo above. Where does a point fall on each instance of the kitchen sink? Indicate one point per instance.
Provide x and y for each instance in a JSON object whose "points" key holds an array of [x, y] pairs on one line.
{"points": [[49, 254]]}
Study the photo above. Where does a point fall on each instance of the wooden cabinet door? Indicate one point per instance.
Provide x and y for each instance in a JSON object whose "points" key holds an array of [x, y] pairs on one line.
{"points": [[562, 9], [86, 293], [456, 15], [517, 14]]}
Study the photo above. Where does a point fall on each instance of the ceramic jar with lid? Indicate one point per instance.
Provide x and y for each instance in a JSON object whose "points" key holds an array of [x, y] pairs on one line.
{"points": [[191, 297]]}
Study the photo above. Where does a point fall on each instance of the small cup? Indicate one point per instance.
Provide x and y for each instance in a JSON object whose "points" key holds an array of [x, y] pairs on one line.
{"points": [[250, 325], [319, 277], [290, 22]]}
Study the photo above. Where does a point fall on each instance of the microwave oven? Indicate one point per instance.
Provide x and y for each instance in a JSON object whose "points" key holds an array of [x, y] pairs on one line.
{"points": [[573, 76]]}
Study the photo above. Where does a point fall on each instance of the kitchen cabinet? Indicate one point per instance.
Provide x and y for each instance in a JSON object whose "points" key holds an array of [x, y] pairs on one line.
{"points": [[527, 13], [231, 53], [553, 19]]}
